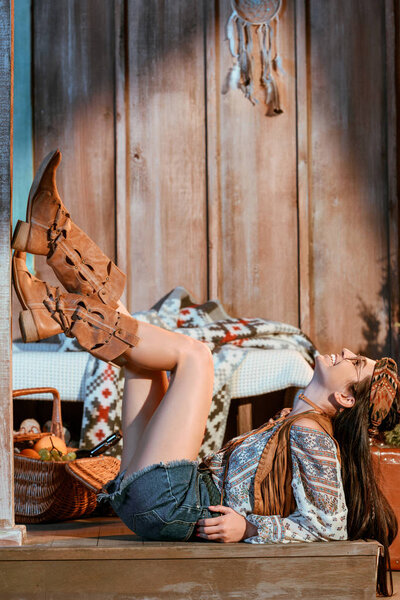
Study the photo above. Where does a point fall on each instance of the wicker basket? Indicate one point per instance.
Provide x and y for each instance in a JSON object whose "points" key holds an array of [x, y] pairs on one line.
{"points": [[57, 491]]}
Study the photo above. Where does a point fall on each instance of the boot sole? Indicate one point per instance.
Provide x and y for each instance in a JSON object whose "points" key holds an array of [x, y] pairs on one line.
{"points": [[27, 325], [17, 288], [21, 234]]}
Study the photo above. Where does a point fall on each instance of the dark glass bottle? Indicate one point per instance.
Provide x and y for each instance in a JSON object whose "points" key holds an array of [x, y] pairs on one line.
{"points": [[107, 443]]}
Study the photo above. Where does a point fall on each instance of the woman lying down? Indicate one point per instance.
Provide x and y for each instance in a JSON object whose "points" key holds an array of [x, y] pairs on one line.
{"points": [[307, 476]]}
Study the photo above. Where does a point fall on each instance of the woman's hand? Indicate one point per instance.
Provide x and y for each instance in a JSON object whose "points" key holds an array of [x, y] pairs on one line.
{"points": [[229, 527]]}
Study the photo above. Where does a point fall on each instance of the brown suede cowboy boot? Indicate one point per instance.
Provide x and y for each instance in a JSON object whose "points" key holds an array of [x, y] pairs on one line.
{"points": [[35, 321], [77, 261], [99, 329]]}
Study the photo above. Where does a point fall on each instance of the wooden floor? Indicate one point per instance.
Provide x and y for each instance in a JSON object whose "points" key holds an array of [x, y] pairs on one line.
{"points": [[101, 559]]}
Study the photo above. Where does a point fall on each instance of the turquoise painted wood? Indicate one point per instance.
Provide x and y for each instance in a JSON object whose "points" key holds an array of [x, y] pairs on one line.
{"points": [[22, 138]]}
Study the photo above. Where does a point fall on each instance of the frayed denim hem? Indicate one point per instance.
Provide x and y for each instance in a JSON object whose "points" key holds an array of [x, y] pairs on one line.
{"points": [[173, 463], [121, 483]]}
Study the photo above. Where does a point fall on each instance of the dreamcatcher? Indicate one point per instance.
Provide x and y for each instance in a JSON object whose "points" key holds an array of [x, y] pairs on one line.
{"points": [[260, 17]]}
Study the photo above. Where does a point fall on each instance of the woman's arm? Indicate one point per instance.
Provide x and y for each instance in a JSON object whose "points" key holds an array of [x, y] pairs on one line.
{"points": [[229, 527], [321, 512]]}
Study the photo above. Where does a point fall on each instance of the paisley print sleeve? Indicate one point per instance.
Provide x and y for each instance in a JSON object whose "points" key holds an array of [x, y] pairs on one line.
{"points": [[321, 512]]}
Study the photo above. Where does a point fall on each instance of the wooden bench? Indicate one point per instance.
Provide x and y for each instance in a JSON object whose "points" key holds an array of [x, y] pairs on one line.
{"points": [[100, 559]]}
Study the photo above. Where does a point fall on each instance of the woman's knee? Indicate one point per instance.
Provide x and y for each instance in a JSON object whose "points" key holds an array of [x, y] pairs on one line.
{"points": [[204, 351], [196, 350]]}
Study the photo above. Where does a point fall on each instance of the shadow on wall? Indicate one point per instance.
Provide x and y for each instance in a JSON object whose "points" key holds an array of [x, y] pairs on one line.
{"points": [[374, 346], [349, 87]]}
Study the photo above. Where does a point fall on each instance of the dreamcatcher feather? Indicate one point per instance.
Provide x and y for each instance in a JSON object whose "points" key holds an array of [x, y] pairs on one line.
{"points": [[262, 16]]}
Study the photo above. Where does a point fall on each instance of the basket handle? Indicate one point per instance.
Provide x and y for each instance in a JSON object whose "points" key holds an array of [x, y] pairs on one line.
{"points": [[56, 421]]}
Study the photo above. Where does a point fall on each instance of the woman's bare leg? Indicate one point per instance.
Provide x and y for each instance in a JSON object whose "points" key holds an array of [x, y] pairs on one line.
{"points": [[143, 392], [176, 427]]}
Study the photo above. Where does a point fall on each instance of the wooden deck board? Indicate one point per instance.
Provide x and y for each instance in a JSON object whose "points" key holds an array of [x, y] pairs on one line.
{"points": [[108, 537], [197, 579], [101, 559]]}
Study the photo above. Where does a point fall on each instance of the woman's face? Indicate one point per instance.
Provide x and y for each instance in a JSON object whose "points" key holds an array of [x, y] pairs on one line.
{"points": [[337, 372]]}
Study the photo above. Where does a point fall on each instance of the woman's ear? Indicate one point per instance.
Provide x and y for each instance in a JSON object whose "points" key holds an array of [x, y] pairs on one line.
{"points": [[344, 400]]}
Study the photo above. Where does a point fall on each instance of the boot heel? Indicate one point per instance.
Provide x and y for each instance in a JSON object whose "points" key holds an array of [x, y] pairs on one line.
{"points": [[28, 328], [20, 237]]}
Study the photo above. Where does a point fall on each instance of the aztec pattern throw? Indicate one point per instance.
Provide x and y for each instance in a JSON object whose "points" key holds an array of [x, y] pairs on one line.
{"points": [[102, 405], [229, 340]]}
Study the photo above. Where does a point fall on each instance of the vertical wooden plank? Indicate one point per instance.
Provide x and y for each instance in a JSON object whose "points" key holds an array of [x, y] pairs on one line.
{"points": [[73, 81], [9, 534], [396, 251], [166, 191], [397, 108], [392, 23], [348, 149], [244, 417], [303, 169], [121, 136], [252, 184], [213, 89], [22, 130], [22, 118]]}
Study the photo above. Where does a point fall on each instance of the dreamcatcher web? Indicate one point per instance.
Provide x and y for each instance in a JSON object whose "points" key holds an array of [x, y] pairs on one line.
{"points": [[260, 18]]}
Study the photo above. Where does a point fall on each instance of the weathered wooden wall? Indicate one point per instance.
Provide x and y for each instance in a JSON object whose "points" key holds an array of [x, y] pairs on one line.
{"points": [[353, 235], [291, 218], [73, 102], [163, 242], [253, 183]]}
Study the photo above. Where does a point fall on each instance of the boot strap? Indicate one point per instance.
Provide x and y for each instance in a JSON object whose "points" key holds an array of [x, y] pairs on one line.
{"points": [[81, 273], [124, 328], [55, 306], [104, 332], [62, 222], [127, 335]]}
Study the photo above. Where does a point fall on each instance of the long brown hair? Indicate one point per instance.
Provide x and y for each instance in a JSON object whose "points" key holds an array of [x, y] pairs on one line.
{"points": [[369, 513]]}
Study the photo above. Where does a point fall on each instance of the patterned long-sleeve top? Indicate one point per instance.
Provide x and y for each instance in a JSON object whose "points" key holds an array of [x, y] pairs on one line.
{"points": [[321, 511]]}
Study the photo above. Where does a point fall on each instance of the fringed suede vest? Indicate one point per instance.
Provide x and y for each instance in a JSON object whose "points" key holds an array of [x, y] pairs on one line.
{"points": [[273, 494]]}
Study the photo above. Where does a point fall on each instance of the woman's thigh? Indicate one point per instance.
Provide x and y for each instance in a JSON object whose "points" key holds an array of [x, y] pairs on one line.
{"points": [[176, 428], [158, 349]]}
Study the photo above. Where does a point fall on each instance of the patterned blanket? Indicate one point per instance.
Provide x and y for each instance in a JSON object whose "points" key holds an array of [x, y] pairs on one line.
{"points": [[229, 340]]}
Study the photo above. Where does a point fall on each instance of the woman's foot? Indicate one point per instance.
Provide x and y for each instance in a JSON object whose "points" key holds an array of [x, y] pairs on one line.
{"points": [[36, 321], [77, 261], [99, 329]]}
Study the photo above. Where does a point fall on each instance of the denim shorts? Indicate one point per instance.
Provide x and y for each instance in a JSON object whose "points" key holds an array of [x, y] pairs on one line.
{"points": [[162, 501]]}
